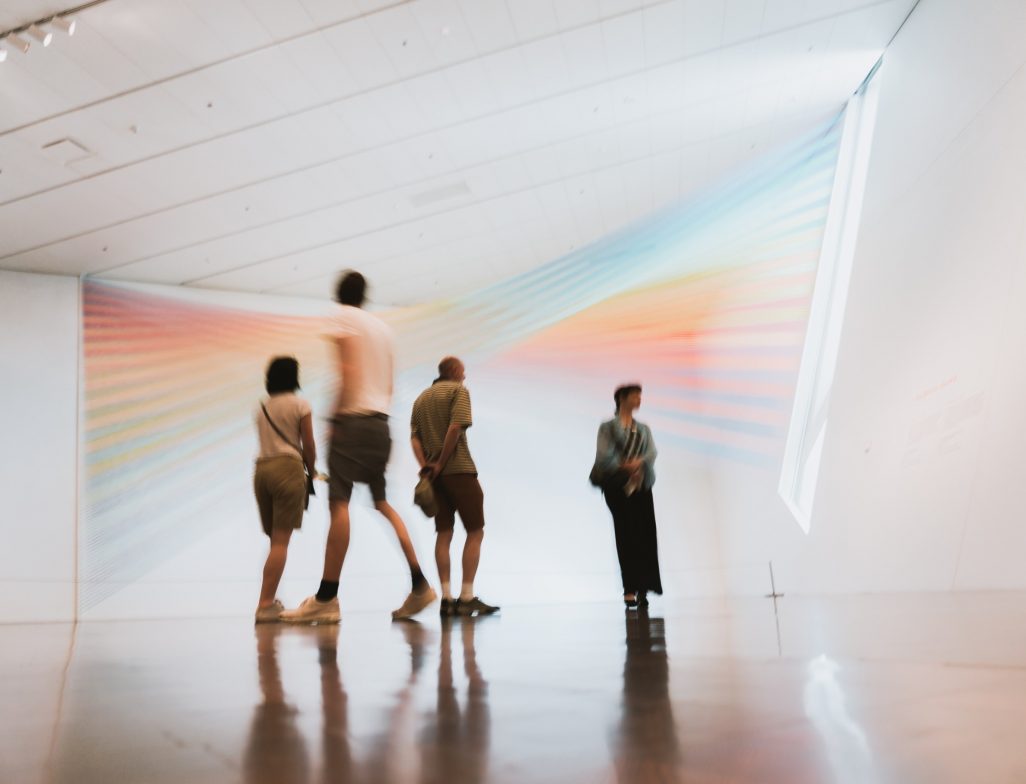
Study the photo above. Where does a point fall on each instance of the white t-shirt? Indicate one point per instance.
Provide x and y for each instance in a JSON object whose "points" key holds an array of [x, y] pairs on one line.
{"points": [[369, 348], [286, 410]]}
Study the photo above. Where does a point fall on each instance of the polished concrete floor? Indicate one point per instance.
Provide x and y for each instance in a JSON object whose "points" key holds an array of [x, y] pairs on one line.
{"points": [[903, 689]]}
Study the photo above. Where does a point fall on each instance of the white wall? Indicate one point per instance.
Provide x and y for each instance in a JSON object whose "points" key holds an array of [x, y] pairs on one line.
{"points": [[39, 324], [922, 481]]}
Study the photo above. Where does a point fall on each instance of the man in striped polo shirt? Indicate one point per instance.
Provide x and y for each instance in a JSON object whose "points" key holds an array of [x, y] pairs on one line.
{"points": [[441, 416]]}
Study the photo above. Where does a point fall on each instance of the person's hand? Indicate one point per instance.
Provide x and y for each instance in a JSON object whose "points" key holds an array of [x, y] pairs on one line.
{"points": [[633, 466], [430, 470]]}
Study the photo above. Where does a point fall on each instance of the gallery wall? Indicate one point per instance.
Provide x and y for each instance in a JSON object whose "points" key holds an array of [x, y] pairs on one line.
{"points": [[921, 482], [39, 328]]}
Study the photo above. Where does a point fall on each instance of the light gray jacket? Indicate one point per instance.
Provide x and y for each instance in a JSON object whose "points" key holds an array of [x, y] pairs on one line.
{"points": [[612, 440]]}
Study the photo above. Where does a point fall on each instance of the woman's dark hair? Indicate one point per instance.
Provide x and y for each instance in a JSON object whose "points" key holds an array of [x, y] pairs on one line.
{"points": [[622, 392], [352, 288], [282, 375]]}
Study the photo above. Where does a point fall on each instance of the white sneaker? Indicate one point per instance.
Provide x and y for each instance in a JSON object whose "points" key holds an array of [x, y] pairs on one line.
{"points": [[271, 614], [414, 603], [313, 611]]}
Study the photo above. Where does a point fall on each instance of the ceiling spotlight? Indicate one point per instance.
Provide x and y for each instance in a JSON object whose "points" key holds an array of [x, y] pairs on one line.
{"points": [[45, 37], [67, 25], [3, 54], [18, 42]]}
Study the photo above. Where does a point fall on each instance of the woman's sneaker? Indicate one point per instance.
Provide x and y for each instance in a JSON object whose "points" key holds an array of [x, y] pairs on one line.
{"points": [[474, 607], [313, 611], [269, 614]]}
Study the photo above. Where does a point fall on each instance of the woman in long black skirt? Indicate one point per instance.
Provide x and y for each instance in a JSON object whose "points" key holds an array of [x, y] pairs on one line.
{"points": [[625, 470]]}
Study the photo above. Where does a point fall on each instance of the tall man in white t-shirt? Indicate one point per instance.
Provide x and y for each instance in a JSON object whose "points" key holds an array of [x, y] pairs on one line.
{"points": [[360, 446]]}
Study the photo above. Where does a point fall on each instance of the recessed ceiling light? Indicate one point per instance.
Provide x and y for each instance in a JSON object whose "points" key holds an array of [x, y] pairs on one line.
{"points": [[445, 30], [18, 42], [45, 37], [67, 25]]}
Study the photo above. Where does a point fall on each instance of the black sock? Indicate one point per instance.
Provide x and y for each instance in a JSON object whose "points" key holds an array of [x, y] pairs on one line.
{"points": [[419, 581], [327, 591]]}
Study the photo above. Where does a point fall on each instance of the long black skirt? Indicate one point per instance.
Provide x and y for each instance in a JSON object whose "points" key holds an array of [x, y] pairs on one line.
{"points": [[635, 529]]}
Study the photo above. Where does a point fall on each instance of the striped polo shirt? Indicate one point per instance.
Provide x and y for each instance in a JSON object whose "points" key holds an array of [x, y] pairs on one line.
{"points": [[440, 405]]}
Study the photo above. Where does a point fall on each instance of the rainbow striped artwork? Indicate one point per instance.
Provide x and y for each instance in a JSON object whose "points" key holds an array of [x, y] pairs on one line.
{"points": [[705, 302]]}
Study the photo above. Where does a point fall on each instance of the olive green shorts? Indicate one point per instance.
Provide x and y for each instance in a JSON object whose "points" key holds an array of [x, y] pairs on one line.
{"points": [[279, 484]]}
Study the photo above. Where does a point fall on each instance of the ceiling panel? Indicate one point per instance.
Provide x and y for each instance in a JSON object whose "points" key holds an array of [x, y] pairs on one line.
{"points": [[263, 144], [532, 19]]}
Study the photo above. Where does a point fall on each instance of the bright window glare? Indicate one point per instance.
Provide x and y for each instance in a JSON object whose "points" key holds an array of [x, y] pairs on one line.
{"points": [[807, 431]]}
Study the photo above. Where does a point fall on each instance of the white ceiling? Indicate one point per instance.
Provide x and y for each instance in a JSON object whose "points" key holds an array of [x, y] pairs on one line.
{"points": [[436, 145]]}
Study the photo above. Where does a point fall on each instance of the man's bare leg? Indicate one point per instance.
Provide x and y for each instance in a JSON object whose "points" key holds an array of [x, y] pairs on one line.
{"points": [[472, 554], [323, 607], [422, 594], [338, 541], [442, 544], [400, 531], [468, 603]]}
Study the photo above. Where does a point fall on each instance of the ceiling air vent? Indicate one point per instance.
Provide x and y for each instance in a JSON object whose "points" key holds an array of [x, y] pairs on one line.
{"points": [[65, 151], [436, 195]]}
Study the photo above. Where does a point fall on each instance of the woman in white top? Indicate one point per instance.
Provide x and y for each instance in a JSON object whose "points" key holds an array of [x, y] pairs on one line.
{"points": [[284, 423]]}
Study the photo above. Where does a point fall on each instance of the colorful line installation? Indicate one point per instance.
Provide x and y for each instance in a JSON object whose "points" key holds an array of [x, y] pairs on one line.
{"points": [[706, 302]]}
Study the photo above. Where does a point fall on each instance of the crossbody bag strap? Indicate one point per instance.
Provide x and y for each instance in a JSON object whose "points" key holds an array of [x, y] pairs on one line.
{"points": [[284, 437]]}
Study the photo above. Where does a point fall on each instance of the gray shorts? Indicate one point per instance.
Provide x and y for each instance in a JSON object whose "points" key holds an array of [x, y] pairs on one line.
{"points": [[360, 446]]}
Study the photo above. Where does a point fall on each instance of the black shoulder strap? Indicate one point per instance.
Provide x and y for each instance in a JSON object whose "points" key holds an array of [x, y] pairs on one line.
{"points": [[284, 437]]}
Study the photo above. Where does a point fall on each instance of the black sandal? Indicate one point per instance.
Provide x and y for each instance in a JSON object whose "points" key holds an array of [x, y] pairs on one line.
{"points": [[630, 601]]}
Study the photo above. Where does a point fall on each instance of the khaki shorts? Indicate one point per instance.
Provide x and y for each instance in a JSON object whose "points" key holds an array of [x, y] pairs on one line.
{"points": [[279, 484], [459, 493], [360, 446]]}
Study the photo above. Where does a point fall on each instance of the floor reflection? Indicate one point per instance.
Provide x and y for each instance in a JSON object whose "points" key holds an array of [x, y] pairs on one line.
{"points": [[455, 739], [276, 750], [449, 743], [545, 695], [845, 742], [646, 743]]}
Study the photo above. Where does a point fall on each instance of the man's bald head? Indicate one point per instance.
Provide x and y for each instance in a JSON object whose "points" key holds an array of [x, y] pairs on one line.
{"points": [[451, 369]]}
